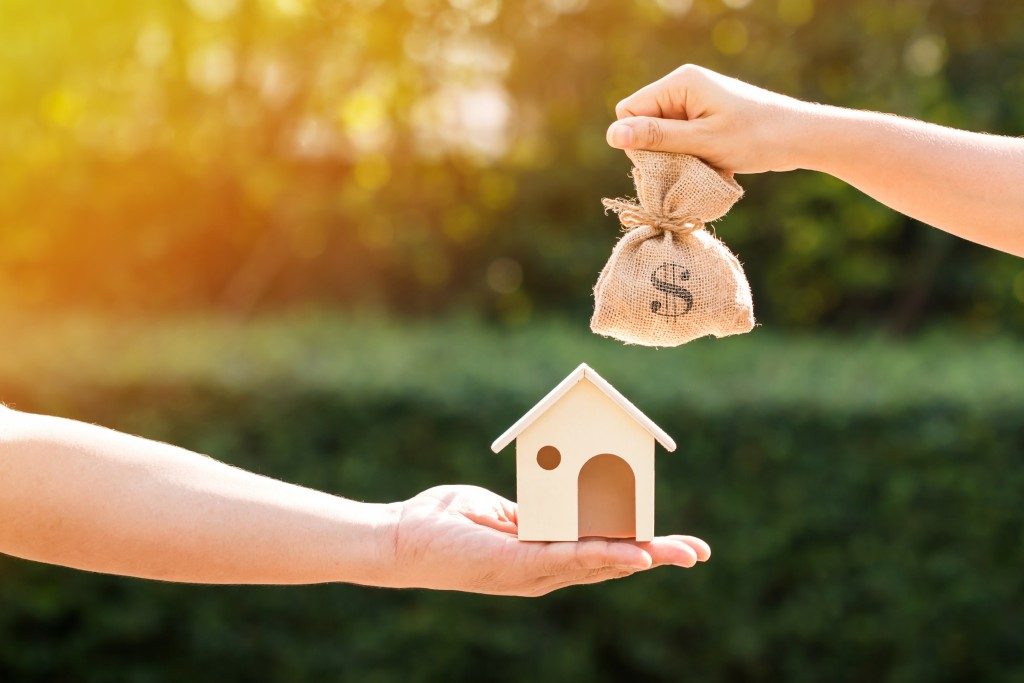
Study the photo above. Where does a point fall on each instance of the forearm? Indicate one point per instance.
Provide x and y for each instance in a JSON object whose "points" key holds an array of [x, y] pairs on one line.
{"points": [[87, 497], [968, 184]]}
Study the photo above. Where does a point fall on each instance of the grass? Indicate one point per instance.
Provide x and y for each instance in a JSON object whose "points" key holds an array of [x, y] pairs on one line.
{"points": [[378, 356]]}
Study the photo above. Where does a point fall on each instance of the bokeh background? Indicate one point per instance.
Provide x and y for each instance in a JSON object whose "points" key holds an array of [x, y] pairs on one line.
{"points": [[346, 243]]}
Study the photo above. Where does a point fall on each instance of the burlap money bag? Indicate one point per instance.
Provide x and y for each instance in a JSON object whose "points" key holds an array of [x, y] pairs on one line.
{"points": [[669, 280]]}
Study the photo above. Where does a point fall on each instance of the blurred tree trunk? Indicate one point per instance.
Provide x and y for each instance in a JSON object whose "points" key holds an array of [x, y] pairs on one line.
{"points": [[922, 277], [246, 288]]}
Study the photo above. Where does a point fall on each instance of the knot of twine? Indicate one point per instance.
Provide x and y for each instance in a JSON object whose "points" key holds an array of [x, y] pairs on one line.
{"points": [[632, 215]]}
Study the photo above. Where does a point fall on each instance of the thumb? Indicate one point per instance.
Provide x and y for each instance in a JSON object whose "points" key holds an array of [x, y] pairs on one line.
{"points": [[660, 135]]}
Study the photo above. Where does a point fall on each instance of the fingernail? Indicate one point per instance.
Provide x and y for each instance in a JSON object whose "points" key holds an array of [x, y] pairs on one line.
{"points": [[621, 136]]}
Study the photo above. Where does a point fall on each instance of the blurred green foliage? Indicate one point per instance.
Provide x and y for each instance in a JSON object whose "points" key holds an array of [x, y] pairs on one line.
{"points": [[862, 498], [449, 154], [862, 495]]}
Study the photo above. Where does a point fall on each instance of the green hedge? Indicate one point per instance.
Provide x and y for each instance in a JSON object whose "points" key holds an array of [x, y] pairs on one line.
{"points": [[862, 498]]}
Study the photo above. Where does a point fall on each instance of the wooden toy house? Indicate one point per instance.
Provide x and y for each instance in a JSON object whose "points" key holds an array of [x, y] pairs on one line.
{"points": [[584, 463]]}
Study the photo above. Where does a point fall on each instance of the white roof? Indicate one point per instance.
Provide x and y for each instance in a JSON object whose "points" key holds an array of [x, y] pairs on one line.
{"points": [[583, 372]]}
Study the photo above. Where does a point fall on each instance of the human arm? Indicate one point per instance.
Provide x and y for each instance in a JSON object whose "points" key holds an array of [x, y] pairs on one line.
{"points": [[86, 497], [968, 184]]}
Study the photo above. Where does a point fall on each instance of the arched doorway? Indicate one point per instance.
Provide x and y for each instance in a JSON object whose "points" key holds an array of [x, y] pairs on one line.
{"points": [[607, 498]]}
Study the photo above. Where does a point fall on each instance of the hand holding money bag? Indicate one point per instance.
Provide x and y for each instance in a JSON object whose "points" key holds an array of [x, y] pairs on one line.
{"points": [[669, 280]]}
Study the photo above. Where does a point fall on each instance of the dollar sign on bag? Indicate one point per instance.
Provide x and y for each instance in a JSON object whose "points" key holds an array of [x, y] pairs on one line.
{"points": [[668, 278]]}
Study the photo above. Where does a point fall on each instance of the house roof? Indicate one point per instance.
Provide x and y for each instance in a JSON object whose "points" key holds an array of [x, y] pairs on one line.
{"points": [[583, 372]]}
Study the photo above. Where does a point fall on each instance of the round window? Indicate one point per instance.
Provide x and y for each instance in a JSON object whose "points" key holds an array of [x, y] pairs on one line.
{"points": [[548, 457]]}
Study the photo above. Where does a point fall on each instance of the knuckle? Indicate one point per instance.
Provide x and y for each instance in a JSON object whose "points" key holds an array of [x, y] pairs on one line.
{"points": [[654, 134], [7, 422], [582, 558], [687, 72]]}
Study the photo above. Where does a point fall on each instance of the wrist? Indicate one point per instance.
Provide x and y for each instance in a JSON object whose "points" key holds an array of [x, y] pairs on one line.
{"points": [[364, 551], [804, 138], [385, 518], [823, 137]]}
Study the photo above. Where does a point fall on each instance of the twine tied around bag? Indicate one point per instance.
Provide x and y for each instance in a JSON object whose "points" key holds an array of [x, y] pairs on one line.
{"points": [[632, 215]]}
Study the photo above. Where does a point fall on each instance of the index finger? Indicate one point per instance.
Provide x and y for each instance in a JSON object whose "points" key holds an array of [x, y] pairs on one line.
{"points": [[665, 98], [684, 551], [562, 557]]}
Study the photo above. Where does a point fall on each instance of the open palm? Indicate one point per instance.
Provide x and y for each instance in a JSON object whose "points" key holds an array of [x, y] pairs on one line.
{"points": [[464, 538]]}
